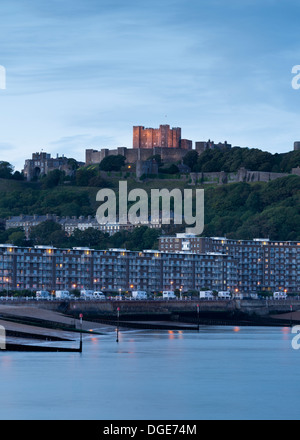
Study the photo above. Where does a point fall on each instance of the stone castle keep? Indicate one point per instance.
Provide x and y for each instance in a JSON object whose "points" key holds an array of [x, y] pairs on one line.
{"points": [[163, 137], [148, 142]]}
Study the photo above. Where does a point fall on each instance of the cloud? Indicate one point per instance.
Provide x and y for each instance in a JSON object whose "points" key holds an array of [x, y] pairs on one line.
{"points": [[84, 72]]}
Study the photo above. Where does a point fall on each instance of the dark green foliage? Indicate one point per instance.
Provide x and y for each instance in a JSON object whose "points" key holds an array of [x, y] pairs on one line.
{"points": [[53, 179], [44, 233], [6, 170], [245, 211], [51, 233], [142, 238], [90, 237], [156, 158], [112, 163], [232, 160], [84, 175], [238, 210], [61, 200], [172, 169], [14, 236], [191, 158]]}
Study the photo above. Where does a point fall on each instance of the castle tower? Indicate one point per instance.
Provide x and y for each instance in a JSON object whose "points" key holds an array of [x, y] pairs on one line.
{"points": [[163, 137], [296, 146], [137, 136]]}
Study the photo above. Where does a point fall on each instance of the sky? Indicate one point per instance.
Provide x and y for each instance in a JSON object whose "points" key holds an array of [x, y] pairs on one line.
{"points": [[81, 73]]}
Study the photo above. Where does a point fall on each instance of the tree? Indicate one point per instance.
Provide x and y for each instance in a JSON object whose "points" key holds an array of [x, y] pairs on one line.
{"points": [[84, 176], [156, 158], [90, 237], [73, 164], [17, 238], [112, 163], [41, 234], [190, 159], [58, 239], [18, 176], [53, 179], [6, 170], [172, 169]]}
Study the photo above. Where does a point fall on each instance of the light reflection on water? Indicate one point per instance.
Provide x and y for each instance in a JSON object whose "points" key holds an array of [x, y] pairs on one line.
{"points": [[218, 373]]}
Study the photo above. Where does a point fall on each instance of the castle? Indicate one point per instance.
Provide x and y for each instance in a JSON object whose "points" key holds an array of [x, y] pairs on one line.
{"points": [[297, 146], [147, 142], [42, 163], [164, 141], [163, 137]]}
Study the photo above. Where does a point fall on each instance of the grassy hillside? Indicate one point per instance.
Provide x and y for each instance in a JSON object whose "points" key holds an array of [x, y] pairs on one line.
{"points": [[239, 210], [245, 211]]}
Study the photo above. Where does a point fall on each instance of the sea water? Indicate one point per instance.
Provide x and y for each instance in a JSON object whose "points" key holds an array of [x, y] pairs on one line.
{"points": [[226, 373]]}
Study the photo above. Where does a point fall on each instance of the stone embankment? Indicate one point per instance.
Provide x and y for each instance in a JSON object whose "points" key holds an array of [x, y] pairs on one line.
{"points": [[238, 312]]}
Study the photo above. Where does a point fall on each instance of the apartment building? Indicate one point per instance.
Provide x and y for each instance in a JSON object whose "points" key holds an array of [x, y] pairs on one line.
{"points": [[45, 267], [262, 264], [69, 224]]}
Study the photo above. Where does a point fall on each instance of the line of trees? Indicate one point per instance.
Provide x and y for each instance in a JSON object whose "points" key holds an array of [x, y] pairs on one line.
{"points": [[235, 158], [7, 171]]}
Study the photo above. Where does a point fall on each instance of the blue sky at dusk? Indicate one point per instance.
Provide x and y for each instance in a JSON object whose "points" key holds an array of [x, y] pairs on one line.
{"points": [[81, 73]]}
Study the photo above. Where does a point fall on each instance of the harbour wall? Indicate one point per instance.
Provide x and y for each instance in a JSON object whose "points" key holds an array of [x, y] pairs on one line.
{"points": [[158, 307]]}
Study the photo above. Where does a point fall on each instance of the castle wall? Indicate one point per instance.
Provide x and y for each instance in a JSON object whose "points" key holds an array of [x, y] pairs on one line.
{"points": [[168, 155], [42, 163], [210, 145], [242, 175]]}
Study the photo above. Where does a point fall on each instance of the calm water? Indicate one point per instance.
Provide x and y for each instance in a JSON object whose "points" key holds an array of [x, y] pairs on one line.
{"points": [[218, 373]]}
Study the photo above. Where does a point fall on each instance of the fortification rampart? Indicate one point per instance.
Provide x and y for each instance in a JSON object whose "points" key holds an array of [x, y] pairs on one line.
{"points": [[168, 155], [242, 175]]}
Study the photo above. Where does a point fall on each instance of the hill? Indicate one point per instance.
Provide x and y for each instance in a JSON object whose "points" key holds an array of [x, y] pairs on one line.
{"points": [[235, 158], [239, 210]]}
